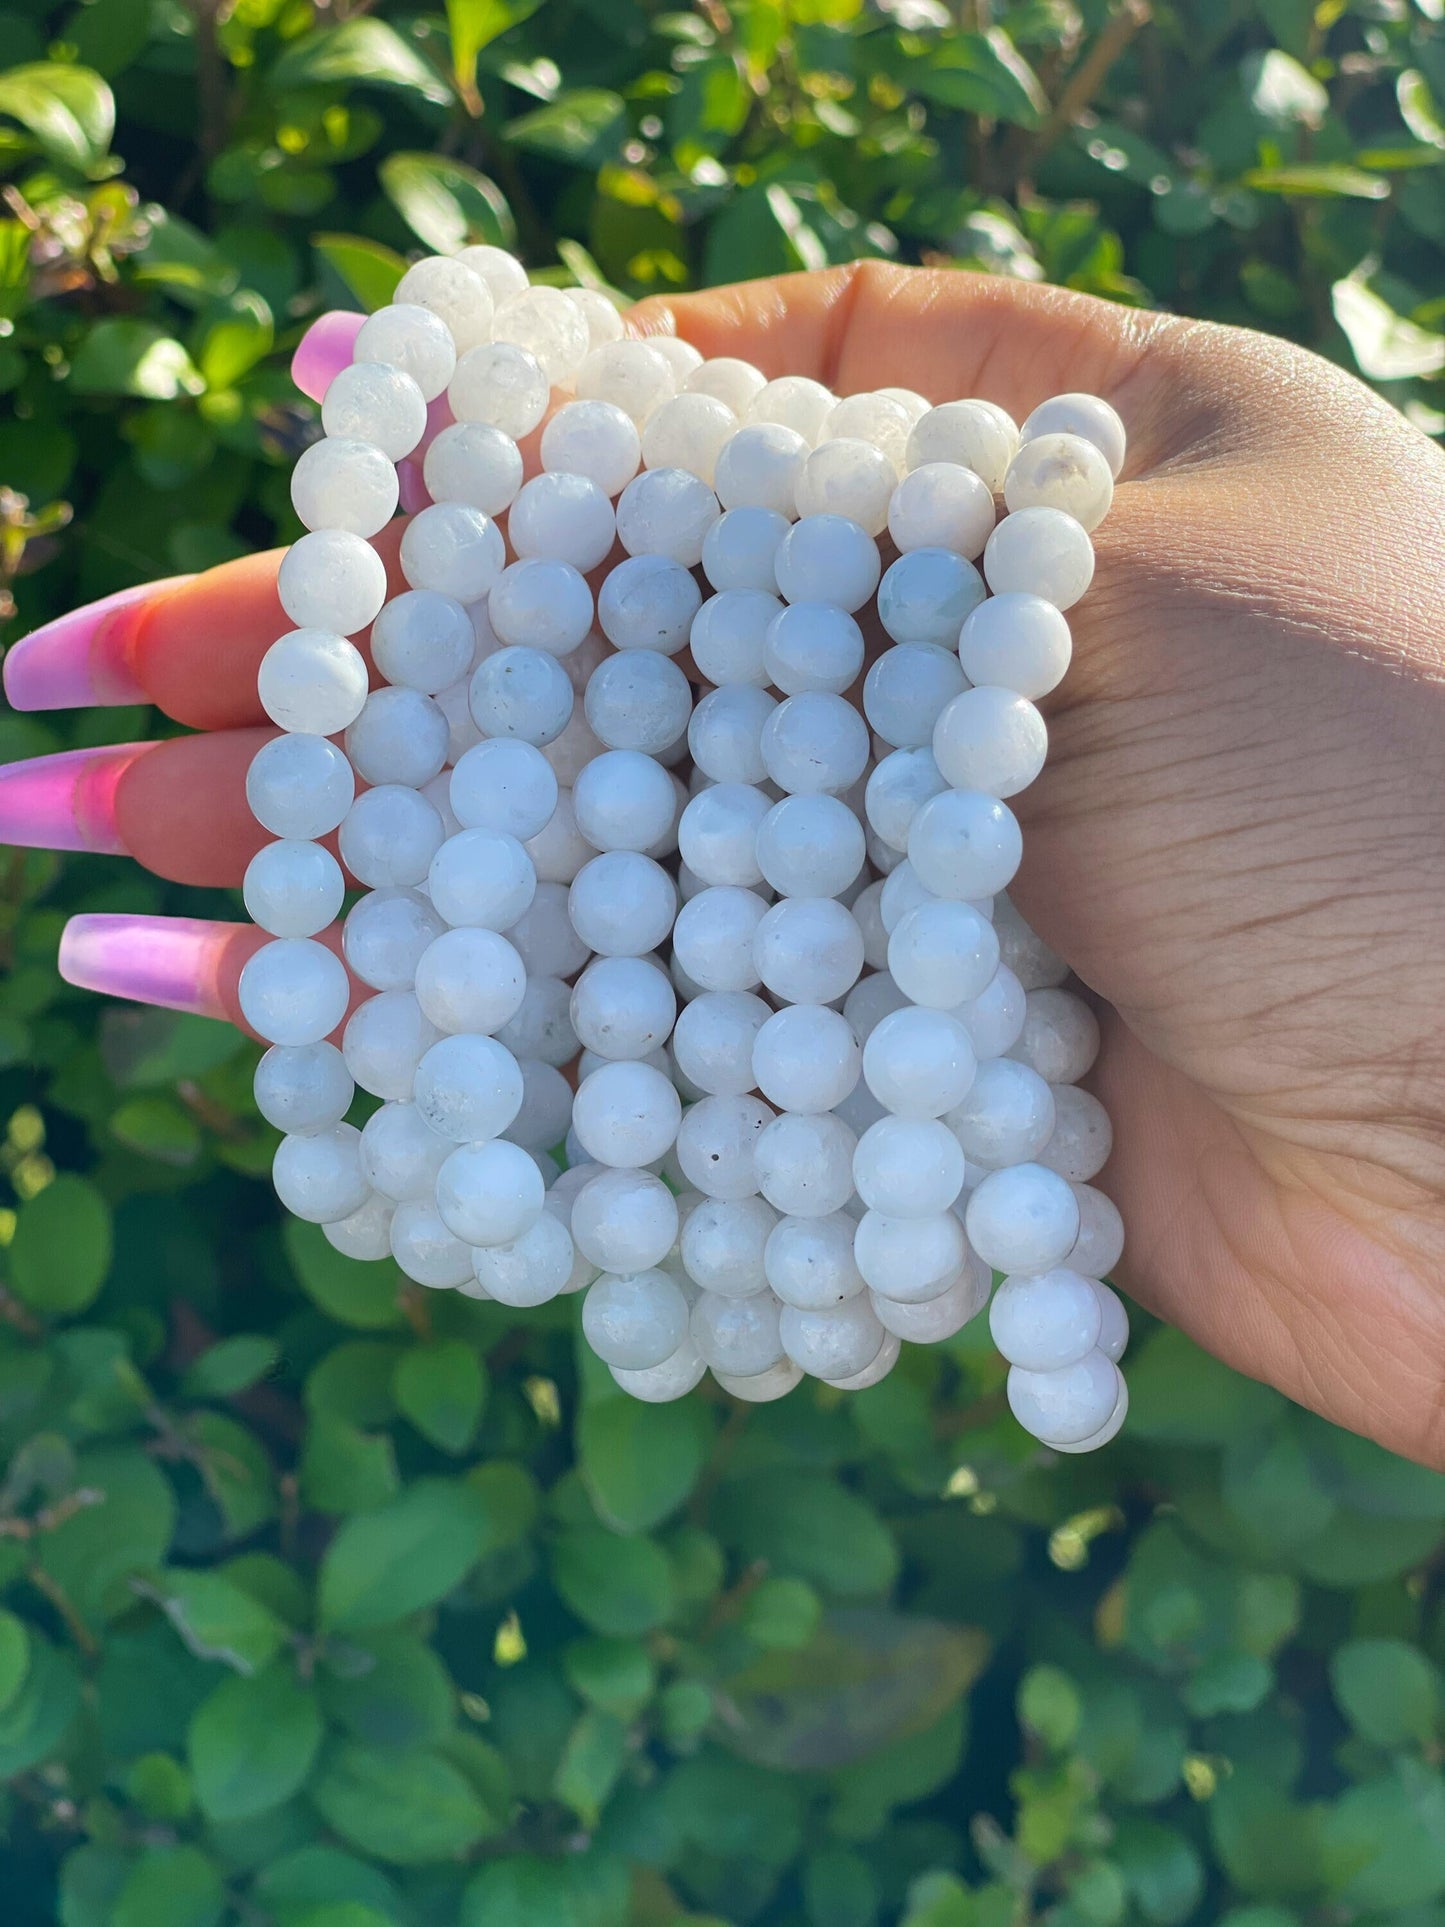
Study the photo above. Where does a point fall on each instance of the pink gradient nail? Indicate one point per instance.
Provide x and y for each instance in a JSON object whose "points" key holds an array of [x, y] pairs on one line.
{"points": [[66, 802], [178, 963], [324, 350], [83, 659]]}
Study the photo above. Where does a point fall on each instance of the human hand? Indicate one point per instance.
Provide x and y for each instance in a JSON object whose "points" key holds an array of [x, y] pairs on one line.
{"points": [[1233, 842]]}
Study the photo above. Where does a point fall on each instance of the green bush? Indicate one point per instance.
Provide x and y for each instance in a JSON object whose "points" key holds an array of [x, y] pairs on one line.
{"points": [[333, 1603]]}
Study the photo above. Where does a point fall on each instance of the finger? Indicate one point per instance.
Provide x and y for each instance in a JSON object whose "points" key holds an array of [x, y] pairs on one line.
{"points": [[948, 333]]}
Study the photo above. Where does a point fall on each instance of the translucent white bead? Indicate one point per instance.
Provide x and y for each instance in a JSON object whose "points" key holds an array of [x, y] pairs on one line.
{"points": [[794, 401], [814, 742], [870, 1001], [964, 845], [423, 641], [1022, 1219], [1060, 1036], [832, 1344], [1007, 1116], [638, 700], [935, 1319], [807, 950], [687, 431], [501, 385], [489, 1194], [504, 785], [1079, 414], [717, 1144], [996, 1016], [1016, 640], [828, 558], [870, 417], [926, 595], [560, 850], [966, 432], [389, 837], [1061, 472], [331, 580], [761, 1388], [623, 1007], [630, 374], [399, 737], [740, 548], [564, 517], [1067, 1406], [660, 1384], [569, 754], [293, 991], [503, 272], [400, 1152], [812, 646], [293, 889], [522, 693], [344, 484], [808, 846], [648, 602], [470, 980], [919, 1063], [725, 733], [1042, 552], [594, 439], [623, 801], [681, 357], [468, 1087], [599, 311], [906, 689], [909, 400], [384, 1041], [909, 1260], [806, 1058], [1100, 1243], [1024, 951], [722, 1245], [454, 549], [481, 877], [626, 1113], [809, 1262], [407, 336], [462, 735], [713, 938], [718, 833], [738, 1336], [319, 1177], [303, 1087], [804, 1164], [456, 295], [550, 326], [850, 478], [867, 915], [546, 1105], [899, 786], [1046, 1321], [368, 402], [759, 467], [475, 463], [541, 1028], [1083, 1136], [901, 893], [543, 603], [1113, 1339], [943, 954], [942, 505], [425, 1249], [728, 379], [728, 633], [530, 1270], [365, 1235], [877, 1369], [908, 1167], [713, 1040], [635, 1320], [666, 511], [622, 904], [990, 739]]}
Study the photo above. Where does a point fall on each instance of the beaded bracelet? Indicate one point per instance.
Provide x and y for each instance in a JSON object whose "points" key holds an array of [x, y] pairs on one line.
{"points": [[715, 1010]]}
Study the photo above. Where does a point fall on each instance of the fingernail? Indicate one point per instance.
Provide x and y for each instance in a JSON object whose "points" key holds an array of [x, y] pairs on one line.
{"points": [[66, 802], [174, 962], [324, 350], [83, 658]]}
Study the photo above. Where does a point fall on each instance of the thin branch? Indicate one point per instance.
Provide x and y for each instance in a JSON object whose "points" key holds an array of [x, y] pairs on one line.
{"points": [[1089, 76]]}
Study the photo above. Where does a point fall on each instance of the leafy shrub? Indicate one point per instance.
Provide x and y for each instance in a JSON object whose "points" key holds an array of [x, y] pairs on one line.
{"points": [[334, 1603]]}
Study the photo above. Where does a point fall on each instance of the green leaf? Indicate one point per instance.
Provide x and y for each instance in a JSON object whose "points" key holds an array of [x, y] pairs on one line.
{"points": [[383, 1565], [782, 1614], [69, 111], [1388, 1691], [233, 337], [369, 270], [14, 1656], [313, 1875], [229, 1366], [393, 1691], [1329, 178], [35, 1720], [344, 1469], [91, 1878], [1383, 1843], [1280, 90], [252, 1744], [1049, 1705], [178, 1885], [441, 1388], [219, 1621], [1418, 109], [983, 73], [582, 1890], [474, 25], [125, 356], [616, 1674], [581, 127], [158, 1127], [1387, 346], [1228, 1683], [405, 1808], [361, 1295], [591, 1763], [640, 1462], [356, 53], [152, 1049], [61, 1250], [800, 1523], [446, 204], [95, 1554], [617, 1586], [1179, 1393]]}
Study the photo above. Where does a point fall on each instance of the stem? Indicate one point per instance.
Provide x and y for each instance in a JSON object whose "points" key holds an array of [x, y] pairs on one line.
{"points": [[1088, 77]]}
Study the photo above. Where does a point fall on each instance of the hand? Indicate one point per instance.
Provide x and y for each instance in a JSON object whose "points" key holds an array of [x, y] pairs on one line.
{"points": [[1237, 841]]}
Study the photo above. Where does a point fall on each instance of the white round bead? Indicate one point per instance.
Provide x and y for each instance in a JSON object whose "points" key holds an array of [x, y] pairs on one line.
{"points": [[807, 846], [638, 700], [1100, 1243], [713, 1040], [481, 877], [738, 1336], [599, 311], [425, 1249], [468, 1087], [660, 1384], [455, 294], [730, 380], [500, 784], [1022, 1219], [1059, 1038], [400, 737], [806, 1058], [522, 693], [303, 1087], [293, 889], [943, 954], [470, 980], [622, 904], [909, 1260], [1079, 414], [1040, 551], [687, 432], [1068, 1406], [759, 468], [968, 433], [541, 602], [368, 402], [389, 837], [809, 1262], [475, 463], [319, 1177], [882, 1363], [635, 1320], [718, 833], [407, 336], [870, 417], [541, 1029], [681, 357], [828, 558], [384, 1041], [807, 950], [502, 386], [623, 1007], [453, 549], [630, 374], [623, 801], [740, 548], [908, 1167], [1060, 472], [313, 681], [648, 602], [717, 1145], [761, 1388], [848, 477], [423, 640], [365, 1235], [814, 742], [666, 511], [503, 272], [728, 635], [489, 1194], [725, 733], [794, 401], [1046, 1321], [1083, 1136], [937, 1318], [927, 594], [293, 991], [804, 1164], [965, 845], [990, 739], [1017, 641], [812, 645], [548, 325], [898, 787], [919, 1063], [626, 1113], [595, 439], [530, 1270], [344, 484], [559, 851], [566, 518], [401, 1154], [331, 580], [996, 1016], [1007, 1116], [832, 1344], [942, 505], [722, 1244], [905, 690]]}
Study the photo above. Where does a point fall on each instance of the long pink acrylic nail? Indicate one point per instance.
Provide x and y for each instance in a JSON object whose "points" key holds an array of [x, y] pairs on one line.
{"points": [[324, 350], [175, 962], [66, 802], [83, 659]]}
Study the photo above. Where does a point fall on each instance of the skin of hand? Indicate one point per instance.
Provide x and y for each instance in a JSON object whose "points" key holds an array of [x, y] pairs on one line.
{"points": [[1239, 838]]}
